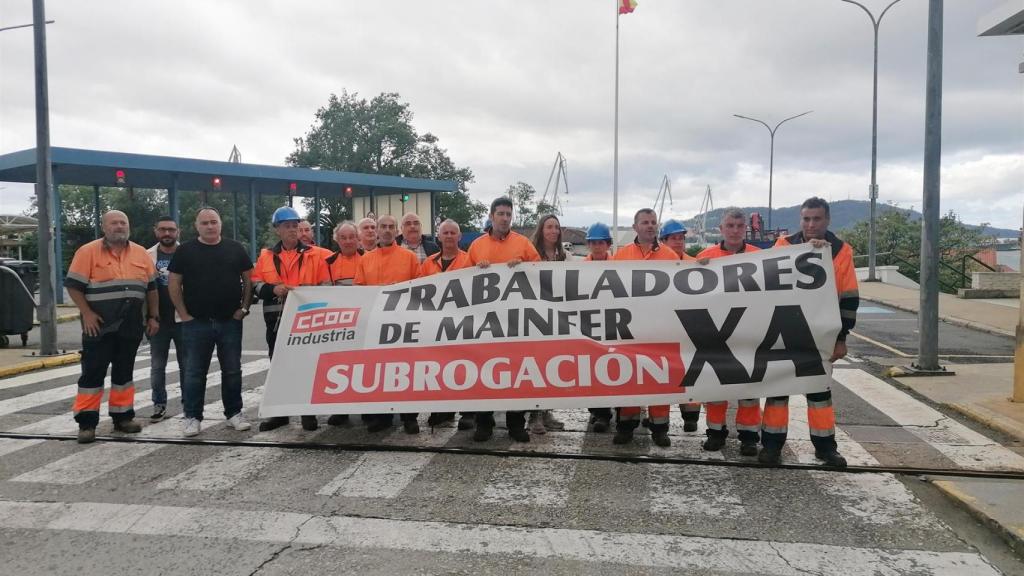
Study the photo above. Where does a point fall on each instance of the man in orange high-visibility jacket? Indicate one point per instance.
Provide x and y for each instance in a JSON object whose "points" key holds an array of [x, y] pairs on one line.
{"points": [[733, 227], [341, 268], [286, 266], [113, 282], [821, 418], [501, 245], [306, 237], [389, 263], [673, 235], [449, 259], [341, 265], [644, 247]]}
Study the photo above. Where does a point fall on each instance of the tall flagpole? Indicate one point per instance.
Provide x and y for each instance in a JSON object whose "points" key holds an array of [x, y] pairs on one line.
{"points": [[615, 177]]}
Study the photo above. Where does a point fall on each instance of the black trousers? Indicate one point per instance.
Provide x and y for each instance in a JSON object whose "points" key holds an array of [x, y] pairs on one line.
{"points": [[114, 352], [516, 420]]}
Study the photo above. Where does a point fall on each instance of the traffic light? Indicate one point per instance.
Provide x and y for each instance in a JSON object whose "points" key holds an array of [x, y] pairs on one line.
{"points": [[348, 191], [216, 183], [119, 177], [405, 197], [292, 187]]}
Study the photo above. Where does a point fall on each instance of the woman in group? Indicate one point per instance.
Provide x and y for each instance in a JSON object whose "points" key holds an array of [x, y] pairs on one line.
{"points": [[547, 239]]}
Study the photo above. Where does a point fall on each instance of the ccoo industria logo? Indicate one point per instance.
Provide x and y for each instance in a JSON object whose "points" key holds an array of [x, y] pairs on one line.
{"points": [[315, 323]]}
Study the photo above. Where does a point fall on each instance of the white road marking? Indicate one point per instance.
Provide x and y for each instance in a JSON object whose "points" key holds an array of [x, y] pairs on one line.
{"points": [[224, 470], [963, 446], [26, 401], [683, 553], [694, 491], [878, 499], [88, 464], [377, 475], [530, 482], [41, 376], [9, 445]]}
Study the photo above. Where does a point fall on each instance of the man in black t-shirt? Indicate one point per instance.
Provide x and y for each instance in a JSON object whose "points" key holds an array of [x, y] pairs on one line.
{"points": [[211, 289]]}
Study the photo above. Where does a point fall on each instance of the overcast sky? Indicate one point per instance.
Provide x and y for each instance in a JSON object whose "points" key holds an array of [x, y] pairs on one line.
{"points": [[506, 84]]}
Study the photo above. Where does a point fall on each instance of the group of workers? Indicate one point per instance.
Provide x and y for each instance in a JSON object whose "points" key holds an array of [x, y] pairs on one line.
{"points": [[196, 295]]}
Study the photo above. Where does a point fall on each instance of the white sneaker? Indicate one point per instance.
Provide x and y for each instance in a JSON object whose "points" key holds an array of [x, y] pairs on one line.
{"points": [[238, 422], [192, 427]]}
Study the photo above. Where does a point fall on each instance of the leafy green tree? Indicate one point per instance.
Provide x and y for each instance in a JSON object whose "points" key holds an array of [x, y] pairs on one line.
{"points": [[524, 210], [899, 243], [377, 136]]}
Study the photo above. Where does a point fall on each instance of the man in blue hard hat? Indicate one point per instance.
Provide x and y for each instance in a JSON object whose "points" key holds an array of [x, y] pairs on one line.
{"points": [[286, 266], [673, 235], [599, 241]]}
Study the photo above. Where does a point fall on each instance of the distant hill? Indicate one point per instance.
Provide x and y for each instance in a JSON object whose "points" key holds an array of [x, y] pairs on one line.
{"points": [[845, 213]]}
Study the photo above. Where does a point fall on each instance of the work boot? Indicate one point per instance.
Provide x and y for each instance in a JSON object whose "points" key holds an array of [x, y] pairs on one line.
{"points": [[602, 424], [483, 433], [748, 448], [536, 423], [770, 455], [660, 438], [380, 424], [273, 423], [86, 435], [550, 422], [128, 426], [338, 420], [715, 442], [438, 418], [309, 423], [831, 457], [467, 422], [689, 425], [623, 432], [411, 426], [519, 434]]}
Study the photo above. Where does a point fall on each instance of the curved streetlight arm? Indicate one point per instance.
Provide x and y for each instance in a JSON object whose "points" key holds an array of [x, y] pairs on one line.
{"points": [[790, 118], [874, 21], [761, 122]]}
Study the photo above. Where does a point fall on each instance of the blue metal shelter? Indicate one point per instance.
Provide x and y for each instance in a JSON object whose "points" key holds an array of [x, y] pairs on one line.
{"points": [[96, 168]]}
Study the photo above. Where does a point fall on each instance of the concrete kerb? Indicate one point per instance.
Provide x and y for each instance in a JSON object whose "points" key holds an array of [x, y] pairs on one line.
{"points": [[51, 362], [947, 319], [1014, 536], [991, 419]]}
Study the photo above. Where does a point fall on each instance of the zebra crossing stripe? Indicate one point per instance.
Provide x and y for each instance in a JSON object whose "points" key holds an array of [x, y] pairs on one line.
{"points": [[63, 424], [377, 475], [88, 464], [225, 470], [67, 392], [530, 482], [798, 438], [9, 445], [963, 446], [695, 491], [682, 553], [40, 376]]}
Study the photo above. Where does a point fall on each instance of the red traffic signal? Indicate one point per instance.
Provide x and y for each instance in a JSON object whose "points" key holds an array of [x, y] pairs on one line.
{"points": [[348, 191], [216, 182], [119, 176], [292, 187]]}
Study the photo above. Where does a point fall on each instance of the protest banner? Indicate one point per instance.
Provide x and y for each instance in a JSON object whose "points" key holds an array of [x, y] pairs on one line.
{"points": [[561, 335]]}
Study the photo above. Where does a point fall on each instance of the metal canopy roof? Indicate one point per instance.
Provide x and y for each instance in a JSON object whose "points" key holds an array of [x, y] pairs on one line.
{"points": [[75, 166], [1005, 20]]}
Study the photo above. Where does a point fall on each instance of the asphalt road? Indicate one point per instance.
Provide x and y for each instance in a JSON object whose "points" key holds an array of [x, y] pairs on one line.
{"points": [[340, 500]]}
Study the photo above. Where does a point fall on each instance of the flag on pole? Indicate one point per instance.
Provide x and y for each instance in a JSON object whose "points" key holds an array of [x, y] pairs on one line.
{"points": [[627, 6]]}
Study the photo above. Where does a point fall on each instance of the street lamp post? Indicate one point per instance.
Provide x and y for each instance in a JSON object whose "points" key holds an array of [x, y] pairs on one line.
{"points": [[46, 312], [771, 157], [873, 190]]}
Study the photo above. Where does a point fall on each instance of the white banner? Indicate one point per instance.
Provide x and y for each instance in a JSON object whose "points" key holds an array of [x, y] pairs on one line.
{"points": [[561, 335]]}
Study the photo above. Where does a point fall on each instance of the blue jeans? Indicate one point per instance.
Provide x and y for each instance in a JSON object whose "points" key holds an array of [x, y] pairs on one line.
{"points": [[200, 337], [159, 349]]}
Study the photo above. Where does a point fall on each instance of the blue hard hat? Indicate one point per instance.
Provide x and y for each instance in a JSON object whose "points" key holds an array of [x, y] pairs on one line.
{"points": [[599, 231], [285, 214], [670, 227]]}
